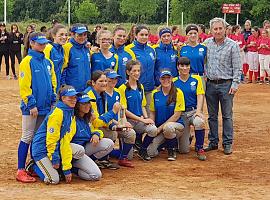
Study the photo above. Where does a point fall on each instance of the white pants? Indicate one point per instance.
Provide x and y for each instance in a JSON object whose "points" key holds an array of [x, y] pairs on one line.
{"points": [[243, 57], [253, 61], [264, 64]]}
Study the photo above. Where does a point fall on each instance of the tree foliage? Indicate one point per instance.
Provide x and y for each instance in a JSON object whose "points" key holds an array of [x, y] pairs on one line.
{"points": [[86, 12]]}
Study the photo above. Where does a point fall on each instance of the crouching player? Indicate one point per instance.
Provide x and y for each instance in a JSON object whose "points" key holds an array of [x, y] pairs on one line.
{"points": [[167, 104], [192, 87]]}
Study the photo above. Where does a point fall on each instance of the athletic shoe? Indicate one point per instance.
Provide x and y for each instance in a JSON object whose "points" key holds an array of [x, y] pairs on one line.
{"points": [[29, 168], [261, 82], [171, 155], [15, 77], [23, 177], [125, 163], [211, 147], [143, 155], [201, 155], [8, 77], [106, 164], [227, 149]]}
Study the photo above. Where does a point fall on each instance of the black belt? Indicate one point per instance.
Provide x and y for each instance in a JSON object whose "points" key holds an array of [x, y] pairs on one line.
{"points": [[219, 81], [200, 74], [190, 109]]}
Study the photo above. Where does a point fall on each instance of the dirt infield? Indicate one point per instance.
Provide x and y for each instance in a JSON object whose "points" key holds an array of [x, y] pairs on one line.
{"points": [[242, 175]]}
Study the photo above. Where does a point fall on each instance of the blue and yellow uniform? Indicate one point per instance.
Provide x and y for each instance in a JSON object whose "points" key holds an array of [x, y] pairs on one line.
{"points": [[53, 138], [197, 56], [133, 100], [111, 100], [37, 83], [99, 62], [123, 58], [103, 118], [164, 111], [167, 57], [77, 65], [191, 88], [55, 53], [84, 133], [147, 56]]}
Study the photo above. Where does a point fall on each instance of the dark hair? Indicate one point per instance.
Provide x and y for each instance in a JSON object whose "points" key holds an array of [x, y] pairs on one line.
{"points": [[140, 27], [183, 61], [173, 91], [95, 76], [191, 27], [235, 27], [61, 89], [54, 30], [129, 67], [11, 27], [174, 28], [256, 28], [119, 28], [43, 28], [87, 116], [131, 33], [202, 27]]}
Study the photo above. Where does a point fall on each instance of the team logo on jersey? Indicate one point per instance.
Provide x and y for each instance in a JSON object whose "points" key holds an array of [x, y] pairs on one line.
{"points": [[49, 69], [173, 58], [22, 74], [152, 55], [51, 130], [193, 85], [201, 49], [112, 64], [117, 98], [125, 59]]}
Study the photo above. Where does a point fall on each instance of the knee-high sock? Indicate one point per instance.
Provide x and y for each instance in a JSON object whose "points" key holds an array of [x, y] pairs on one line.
{"points": [[147, 141], [38, 172], [75, 170], [171, 143], [22, 154], [256, 76], [199, 135], [115, 153], [125, 150], [250, 75]]}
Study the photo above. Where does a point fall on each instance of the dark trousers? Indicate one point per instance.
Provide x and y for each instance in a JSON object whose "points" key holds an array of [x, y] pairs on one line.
{"points": [[6, 55], [18, 55]]}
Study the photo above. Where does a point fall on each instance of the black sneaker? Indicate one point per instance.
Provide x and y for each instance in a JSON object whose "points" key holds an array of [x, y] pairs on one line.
{"points": [[227, 149], [171, 155], [211, 147], [143, 155], [106, 164]]}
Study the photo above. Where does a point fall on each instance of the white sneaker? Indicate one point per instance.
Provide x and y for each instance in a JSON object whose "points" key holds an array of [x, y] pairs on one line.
{"points": [[8, 77]]}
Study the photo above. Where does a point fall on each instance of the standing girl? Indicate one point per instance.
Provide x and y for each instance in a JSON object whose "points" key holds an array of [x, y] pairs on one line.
{"points": [[37, 90], [4, 47], [252, 53], [104, 59], [264, 56], [147, 57], [133, 98], [16, 41], [54, 50]]}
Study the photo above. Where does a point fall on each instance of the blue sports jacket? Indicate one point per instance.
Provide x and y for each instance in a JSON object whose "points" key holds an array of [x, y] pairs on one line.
{"points": [[147, 56], [77, 65], [37, 83]]}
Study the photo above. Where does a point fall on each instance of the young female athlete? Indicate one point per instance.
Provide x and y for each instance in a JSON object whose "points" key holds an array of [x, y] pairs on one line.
{"points": [[54, 50], [167, 105], [37, 90], [133, 99], [104, 59]]}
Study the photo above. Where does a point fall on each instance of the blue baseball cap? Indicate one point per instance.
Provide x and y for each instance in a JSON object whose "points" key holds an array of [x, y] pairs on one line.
{"points": [[112, 74], [165, 72], [69, 92], [84, 98], [79, 28], [41, 39]]}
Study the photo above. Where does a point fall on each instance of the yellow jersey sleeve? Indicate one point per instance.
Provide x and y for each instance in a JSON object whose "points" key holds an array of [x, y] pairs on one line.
{"points": [[53, 77], [144, 99], [199, 89], [180, 101], [152, 103], [129, 50], [47, 51], [67, 47]]}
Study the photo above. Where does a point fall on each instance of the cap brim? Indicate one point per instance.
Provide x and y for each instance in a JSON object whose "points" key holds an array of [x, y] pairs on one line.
{"points": [[80, 31], [85, 100], [70, 94], [42, 41], [166, 74], [114, 76]]}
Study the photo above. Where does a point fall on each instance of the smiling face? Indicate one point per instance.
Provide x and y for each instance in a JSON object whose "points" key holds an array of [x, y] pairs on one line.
{"points": [[166, 38], [218, 31], [100, 84], [135, 72], [61, 36], [105, 40], [80, 37], [183, 69], [142, 36], [69, 100], [192, 36], [84, 107], [120, 38], [166, 81]]}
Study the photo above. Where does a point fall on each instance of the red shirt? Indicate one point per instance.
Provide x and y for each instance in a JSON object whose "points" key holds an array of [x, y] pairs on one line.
{"points": [[252, 40], [202, 37], [153, 38], [239, 39], [180, 38], [264, 50]]}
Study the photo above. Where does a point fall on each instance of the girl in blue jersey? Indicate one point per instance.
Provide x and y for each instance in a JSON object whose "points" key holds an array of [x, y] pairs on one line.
{"points": [[167, 104], [51, 144], [192, 87], [133, 98], [195, 51], [166, 54], [144, 53], [54, 50], [91, 139], [37, 90], [104, 59]]}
